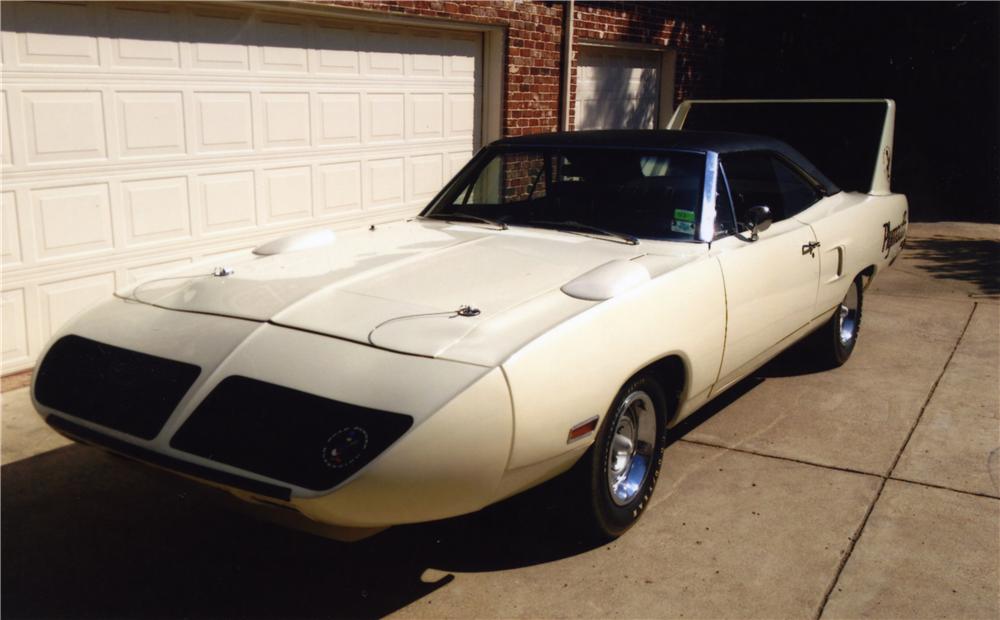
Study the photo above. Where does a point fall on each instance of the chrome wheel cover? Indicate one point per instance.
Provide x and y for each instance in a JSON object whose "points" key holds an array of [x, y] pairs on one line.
{"points": [[847, 317], [631, 452]]}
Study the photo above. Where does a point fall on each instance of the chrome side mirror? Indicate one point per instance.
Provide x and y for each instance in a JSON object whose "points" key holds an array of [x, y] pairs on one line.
{"points": [[760, 220]]}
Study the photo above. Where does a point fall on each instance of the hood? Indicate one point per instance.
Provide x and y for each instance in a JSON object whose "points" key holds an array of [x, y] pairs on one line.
{"points": [[402, 286]]}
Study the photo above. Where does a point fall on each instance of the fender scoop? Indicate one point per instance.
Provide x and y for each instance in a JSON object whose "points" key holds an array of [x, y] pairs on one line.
{"points": [[608, 280]]}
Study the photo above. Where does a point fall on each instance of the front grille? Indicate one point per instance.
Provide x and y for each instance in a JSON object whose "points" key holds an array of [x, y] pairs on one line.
{"points": [[287, 435], [124, 390]]}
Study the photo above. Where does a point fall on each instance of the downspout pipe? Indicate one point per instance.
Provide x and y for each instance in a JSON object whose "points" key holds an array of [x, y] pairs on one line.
{"points": [[567, 63]]}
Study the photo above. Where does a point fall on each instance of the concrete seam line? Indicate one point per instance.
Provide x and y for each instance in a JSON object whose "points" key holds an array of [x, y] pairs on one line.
{"points": [[848, 470], [885, 478], [780, 458], [944, 488]]}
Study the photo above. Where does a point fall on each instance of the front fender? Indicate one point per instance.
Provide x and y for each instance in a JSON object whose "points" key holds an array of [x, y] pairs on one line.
{"points": [[449, 465], [573, 372]]}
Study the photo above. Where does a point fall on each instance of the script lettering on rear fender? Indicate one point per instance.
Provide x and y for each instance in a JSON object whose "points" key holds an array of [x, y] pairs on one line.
{"points": [[891, 236]]}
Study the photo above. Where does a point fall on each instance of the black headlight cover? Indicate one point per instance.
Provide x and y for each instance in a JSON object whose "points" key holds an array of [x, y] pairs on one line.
{"points": [[286, 434], [125, 390]]}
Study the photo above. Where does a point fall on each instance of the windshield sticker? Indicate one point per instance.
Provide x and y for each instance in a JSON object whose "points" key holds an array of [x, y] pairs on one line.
{"points": [[686, 228], [683, 222]]}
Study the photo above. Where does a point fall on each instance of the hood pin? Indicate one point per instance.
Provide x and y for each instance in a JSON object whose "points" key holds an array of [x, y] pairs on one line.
{"points": [[467, 311], [222, 272]]}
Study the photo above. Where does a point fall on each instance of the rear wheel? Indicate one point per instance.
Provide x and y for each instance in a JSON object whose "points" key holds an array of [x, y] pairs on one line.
{"points": [[626, 457], [836, 340]]}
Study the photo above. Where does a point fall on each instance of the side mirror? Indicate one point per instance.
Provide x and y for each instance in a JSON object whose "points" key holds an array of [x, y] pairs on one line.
{"points": [[760, 220]]}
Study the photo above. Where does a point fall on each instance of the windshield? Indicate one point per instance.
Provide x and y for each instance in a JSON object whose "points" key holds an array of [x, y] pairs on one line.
{"points": [[604, 192]]}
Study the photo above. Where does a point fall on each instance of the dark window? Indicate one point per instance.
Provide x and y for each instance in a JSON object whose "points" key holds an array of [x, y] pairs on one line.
{"points": [[797, 193], [649, 194], [764, 179]]}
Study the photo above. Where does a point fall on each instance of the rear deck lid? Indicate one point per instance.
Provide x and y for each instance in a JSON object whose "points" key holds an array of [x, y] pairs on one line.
{"points": [[850, 140]]}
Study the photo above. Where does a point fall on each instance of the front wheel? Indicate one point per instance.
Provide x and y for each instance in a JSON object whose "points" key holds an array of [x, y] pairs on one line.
{"points": [[836, 340], [626, 457]]}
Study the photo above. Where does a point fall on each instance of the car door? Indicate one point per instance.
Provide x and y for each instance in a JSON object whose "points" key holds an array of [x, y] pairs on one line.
{"points": [[771, 282]]}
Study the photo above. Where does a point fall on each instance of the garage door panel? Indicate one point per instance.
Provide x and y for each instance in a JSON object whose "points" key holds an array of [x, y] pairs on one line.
{"points": [[336, 50], [156, 210], [385, 182], [144, 36], [150, 123], [72, 221], [5, 155], [384, 55], [287, 194], [425, 115], [338, 118], [10, 252], [224, 121], [284, 120], [384, 118], [280, 46], [63, 126], [425, 58], [426, 175], [461, 115], [139, 137], [220, 41], [463, 53], [54, 34], [228, 201], [456, 161], [14, 334], [341, 187]]}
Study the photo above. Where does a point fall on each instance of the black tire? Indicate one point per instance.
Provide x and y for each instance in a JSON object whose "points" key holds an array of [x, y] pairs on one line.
{"points": [[610, 517], [835, 341]]}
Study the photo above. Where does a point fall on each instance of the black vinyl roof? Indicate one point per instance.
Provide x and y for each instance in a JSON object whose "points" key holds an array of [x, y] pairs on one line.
{"points": [[718, 141]]}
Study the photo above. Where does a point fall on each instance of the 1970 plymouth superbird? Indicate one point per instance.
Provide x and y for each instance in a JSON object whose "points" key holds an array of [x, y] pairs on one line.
{"points": [[565, 300]]}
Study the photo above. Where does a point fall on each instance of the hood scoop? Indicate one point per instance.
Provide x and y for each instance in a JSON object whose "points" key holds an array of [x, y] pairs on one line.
{"points": [[308, 240], [608, 280]]}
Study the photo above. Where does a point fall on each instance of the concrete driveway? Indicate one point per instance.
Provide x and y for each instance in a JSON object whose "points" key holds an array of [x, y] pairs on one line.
{"points": [[872, 490]]}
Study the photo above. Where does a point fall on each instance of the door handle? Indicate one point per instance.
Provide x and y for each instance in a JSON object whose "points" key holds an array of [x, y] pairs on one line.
{"points": [[810, 248]]}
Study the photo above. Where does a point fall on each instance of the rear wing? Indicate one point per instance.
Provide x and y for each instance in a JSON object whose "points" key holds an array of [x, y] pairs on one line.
{"points": [[850, 140]]}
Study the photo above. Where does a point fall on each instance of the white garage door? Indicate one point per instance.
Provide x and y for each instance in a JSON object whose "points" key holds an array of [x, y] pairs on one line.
{"points": [[617, 88], [137, 138]]}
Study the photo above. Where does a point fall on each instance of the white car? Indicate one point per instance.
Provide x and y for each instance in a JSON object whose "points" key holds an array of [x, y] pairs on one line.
{"points": [[565, 300]]}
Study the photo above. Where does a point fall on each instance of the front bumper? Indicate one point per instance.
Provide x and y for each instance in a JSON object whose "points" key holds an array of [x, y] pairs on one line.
{"points": [[279, 403]]}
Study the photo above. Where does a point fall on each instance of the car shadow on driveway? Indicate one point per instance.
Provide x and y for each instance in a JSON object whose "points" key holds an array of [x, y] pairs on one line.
{"points": [[85, 534]]}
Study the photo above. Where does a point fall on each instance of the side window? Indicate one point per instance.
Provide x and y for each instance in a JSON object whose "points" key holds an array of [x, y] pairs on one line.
{"points": [[752, 184], [797, 193], [757, 179]]}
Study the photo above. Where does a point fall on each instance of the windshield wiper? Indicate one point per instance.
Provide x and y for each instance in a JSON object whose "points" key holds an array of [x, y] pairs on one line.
{"points": [[464, 217], [579, 228]]}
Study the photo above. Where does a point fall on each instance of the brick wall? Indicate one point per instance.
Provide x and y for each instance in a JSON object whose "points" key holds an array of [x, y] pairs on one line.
{"points": [[534, 44]]}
